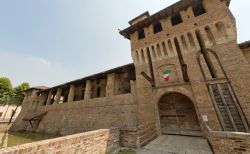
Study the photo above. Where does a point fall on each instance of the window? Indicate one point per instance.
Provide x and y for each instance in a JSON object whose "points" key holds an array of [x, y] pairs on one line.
{"points": [[98, 93], [52, 99], [98, 82], [164, 48], [191, 40], [210, 35], [198, 10], [142, 56], [83, 92], [141, 34], [157, 28], [176, 19]]}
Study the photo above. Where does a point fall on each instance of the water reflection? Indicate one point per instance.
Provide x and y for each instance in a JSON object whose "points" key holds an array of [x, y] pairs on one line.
{"points": [[8, 139]]}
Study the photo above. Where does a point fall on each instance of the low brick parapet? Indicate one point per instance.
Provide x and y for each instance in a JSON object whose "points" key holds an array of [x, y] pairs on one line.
{"points": [[99, 142], [230, 142]]}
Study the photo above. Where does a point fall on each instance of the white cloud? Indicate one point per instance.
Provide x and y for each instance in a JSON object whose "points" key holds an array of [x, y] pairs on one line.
{"points": [[44, 61], [35, 70]]}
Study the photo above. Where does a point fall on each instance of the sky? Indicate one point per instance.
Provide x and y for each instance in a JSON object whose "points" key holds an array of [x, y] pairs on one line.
{"points": [[49, 42]]}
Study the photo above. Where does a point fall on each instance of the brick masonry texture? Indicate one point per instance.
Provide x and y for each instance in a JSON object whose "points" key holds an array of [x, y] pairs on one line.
{"points": [[228, 142], [95, 142]]}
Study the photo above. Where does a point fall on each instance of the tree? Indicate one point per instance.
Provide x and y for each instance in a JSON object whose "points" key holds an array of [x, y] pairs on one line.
{"points": [[17, 96], [5, 90]]}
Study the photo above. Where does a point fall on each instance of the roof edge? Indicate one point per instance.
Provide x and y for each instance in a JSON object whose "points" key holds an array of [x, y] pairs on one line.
{"points": [[244, 45], [127, 66]]}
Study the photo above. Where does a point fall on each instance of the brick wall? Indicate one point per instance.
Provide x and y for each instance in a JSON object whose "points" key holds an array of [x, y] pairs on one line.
{"points": [[129, 138], [246, 53], [94, 142], [81, 116], [230, 142]]}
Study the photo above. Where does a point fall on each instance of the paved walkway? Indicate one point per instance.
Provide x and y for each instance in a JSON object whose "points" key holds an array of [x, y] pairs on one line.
{"points": [[174, 144]]}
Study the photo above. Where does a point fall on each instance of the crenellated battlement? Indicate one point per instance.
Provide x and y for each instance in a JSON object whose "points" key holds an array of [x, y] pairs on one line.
{"points": [[212, 34], [213, 20]]}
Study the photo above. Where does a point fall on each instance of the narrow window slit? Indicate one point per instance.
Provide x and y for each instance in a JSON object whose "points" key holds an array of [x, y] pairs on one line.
{"points": [[159, 50], [210, 35], [170, 47], [184, 43], [191, 40], [153, 52], [164, 49], [142, 55]]}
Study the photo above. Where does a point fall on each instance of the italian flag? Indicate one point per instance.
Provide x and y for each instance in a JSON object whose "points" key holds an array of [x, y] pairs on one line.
{"points": [[166, 75]]}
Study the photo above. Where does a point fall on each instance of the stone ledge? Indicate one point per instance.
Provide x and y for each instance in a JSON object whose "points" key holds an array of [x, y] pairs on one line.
{"points": [[230, 134]]}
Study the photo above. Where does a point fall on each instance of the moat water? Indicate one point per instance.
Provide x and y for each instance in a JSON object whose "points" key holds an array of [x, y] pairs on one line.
{"points": [[8, 139]]}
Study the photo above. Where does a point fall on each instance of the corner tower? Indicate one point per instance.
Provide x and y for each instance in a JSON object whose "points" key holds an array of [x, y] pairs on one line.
{"points": [[190, 71]]}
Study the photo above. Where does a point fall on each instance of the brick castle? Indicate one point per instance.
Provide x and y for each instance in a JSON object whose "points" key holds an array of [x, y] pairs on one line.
{"points": [[189, 77]]}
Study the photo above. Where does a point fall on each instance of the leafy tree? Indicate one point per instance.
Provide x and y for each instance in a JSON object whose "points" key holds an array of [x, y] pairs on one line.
{"points": [[5, 90], [5, 84], [17, 96]]}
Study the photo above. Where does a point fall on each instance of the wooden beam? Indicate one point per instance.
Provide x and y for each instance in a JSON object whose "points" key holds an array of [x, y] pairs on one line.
{"points": [[31, 124], [238, 107], [151, 81]]}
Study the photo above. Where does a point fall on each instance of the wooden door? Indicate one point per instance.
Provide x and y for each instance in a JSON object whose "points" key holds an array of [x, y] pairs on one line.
{"points": [[178, 116]]}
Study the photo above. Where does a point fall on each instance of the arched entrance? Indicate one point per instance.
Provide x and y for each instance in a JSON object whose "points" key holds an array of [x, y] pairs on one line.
{"points": [[178, 116]]}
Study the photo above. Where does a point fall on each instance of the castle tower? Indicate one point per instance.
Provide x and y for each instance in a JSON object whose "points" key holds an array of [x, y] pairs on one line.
{"points": [[190, 72]]}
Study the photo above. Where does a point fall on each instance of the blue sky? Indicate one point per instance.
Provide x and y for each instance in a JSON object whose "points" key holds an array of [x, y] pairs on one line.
{"points": [[48, 42]]}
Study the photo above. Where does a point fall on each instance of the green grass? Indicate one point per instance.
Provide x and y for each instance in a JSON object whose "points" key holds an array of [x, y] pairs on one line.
{"points": [[126, 151], [11, 139]]}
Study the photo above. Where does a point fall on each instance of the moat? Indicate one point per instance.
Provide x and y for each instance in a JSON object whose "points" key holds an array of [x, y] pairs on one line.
{"points": [[9, 139]]}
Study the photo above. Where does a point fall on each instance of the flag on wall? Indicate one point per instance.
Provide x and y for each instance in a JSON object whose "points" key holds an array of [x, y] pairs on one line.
{"points": [[166, 75]]}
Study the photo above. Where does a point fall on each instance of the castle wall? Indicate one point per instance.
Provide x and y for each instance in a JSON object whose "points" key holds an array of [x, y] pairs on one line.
{"points": [[237, 69], [81, 116], [246, 53], [80, 106]]}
